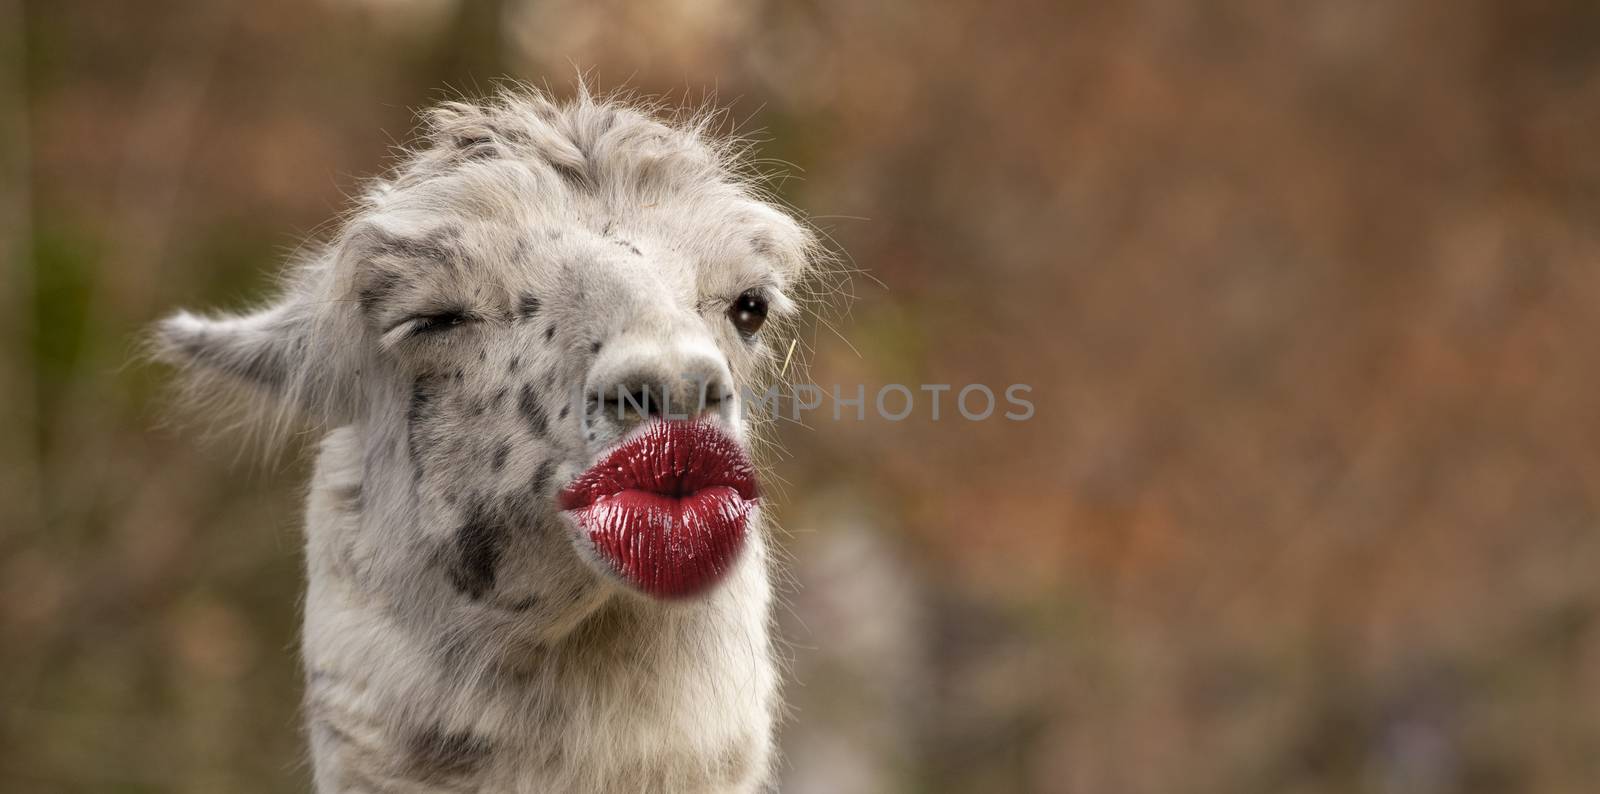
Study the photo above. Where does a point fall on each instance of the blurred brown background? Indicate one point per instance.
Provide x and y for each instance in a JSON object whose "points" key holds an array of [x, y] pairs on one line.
{"points": [[1306, 293]]}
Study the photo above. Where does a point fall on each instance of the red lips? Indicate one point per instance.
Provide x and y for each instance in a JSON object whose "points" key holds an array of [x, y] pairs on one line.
{"points": [[668, 508]]}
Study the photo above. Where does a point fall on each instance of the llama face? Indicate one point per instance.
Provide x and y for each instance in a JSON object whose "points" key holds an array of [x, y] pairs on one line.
{"points": [[520, 300], [525, 351]]}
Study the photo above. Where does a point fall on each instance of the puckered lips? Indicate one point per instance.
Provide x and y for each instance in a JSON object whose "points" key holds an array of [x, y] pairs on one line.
{"points": [[667, 509]]}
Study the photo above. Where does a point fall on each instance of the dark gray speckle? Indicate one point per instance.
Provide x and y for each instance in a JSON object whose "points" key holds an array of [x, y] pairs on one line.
{"points": [[437, 756]]}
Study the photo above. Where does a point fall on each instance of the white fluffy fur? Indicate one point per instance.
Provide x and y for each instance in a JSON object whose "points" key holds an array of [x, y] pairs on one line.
{"points": [[458, 637]]}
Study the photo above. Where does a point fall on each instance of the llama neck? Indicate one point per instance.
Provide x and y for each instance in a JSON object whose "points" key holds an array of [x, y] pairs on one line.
{"points": [[684, 693]]}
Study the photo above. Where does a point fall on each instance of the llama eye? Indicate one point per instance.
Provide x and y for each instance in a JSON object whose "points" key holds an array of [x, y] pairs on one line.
{"points": [[748, 312], [433, 323]]}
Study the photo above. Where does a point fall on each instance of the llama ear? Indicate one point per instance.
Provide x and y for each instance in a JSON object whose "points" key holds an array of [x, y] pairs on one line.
{"points": [[261, 350]]}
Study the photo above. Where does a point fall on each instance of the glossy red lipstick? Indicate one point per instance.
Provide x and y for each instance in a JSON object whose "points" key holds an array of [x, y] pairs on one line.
{"points": [[668, 509]]}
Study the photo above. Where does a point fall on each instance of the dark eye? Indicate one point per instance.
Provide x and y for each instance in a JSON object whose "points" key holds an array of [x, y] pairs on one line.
{"points": [[748, 312], [442, 321]]}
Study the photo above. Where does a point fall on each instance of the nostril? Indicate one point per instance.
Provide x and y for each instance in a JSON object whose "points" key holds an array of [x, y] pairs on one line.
{"points": [[642, 400], [639, 399], [685, 398], [713, 394]]}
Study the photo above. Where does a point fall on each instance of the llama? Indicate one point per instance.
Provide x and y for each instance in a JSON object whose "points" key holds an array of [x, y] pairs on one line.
{"points": [[526, 571]]}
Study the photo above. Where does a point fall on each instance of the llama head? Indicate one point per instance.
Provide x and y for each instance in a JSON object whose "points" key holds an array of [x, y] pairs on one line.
{"points": [[533, 283]]}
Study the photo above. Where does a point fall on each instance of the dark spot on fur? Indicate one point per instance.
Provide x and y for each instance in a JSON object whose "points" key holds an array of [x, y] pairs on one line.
{"points": [[549, 333], [522, 604], [499, 396], [528, 305], [418, 415], [477, 148], [519, 251], [541, 478], [478, 544], [459, 374], [595, 348], [348, 498], [630, 246], [501, 452], [436, 756], [575, 175], [762, 245], [483, 355], [565, 409], [528, 405], [513, 365], [377, 289]]}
